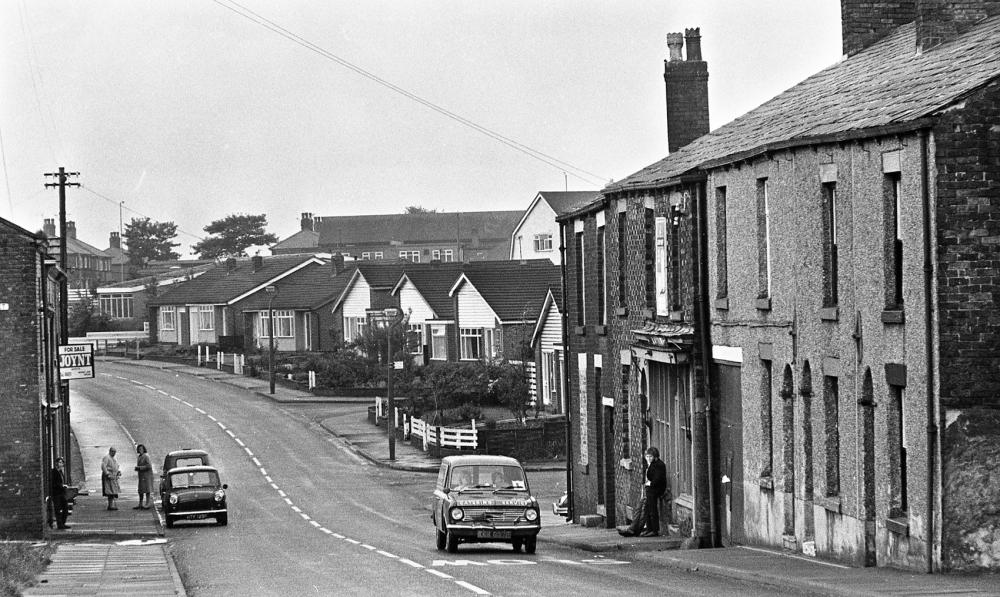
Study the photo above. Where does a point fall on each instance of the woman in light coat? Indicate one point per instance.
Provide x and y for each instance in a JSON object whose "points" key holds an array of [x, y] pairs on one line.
{"points": [[110, 473]]}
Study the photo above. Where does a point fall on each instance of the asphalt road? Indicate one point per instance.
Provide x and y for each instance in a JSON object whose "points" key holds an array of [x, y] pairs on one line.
{"points": [[310, 517]]}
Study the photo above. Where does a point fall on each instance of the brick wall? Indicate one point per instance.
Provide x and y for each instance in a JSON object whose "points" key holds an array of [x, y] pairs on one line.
{"points": [[22, 388], [863, 22]]}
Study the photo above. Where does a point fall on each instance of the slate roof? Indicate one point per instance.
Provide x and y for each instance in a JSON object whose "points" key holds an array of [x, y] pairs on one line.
{"points": [[415, 228], [433, 281], [303, 239], [886, 85], [163, 279], [381, 274], [220, 285], [515, 290]]}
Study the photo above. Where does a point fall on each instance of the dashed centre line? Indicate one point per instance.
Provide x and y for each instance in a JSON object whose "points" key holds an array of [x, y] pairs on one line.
{"points": [[298, 510]]}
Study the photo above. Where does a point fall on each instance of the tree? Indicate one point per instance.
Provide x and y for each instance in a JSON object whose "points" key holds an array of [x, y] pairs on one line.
{"points": [[86, 316], [232, 236], [416, 209], [148, 240]]}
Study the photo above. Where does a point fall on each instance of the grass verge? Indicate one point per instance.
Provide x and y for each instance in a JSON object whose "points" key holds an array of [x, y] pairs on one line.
{"points": [[20, 563]]}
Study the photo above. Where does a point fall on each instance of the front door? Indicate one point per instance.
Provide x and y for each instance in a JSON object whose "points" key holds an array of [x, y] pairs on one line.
{"points": [[730, 474]]}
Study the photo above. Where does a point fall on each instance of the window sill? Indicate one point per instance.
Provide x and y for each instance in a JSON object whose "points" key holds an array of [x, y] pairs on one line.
{"points": [[762, 304], [766, 483], [722, 304], [580, 330], [600, 330], [900, 526], [677, 315], [831, 504], [893, 316], [621, 312], [829, 313]]}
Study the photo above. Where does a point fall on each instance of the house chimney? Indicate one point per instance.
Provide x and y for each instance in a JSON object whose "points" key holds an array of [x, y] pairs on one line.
{"points": [[864, 22], [258, 263], [49, 227], [940, 20], [337, 264], [687, 90], [115, 242], [230, 265], [307, 221], [70, 229]]}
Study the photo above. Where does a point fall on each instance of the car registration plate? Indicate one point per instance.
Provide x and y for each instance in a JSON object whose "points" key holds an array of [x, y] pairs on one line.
{"points": [[493, 534], [198, 516]]}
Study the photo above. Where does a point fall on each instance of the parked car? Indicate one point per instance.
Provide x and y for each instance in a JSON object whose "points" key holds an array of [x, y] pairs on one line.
{"points": [[194, 492], [484, 499], [180, 458], [561, 508]]}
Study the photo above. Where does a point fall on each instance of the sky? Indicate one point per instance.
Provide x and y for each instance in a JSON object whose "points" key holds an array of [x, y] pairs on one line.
{"points": [[190, 110]]}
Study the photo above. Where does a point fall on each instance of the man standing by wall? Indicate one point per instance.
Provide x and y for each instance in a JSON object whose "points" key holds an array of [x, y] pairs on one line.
{"points": [[648, 516]]}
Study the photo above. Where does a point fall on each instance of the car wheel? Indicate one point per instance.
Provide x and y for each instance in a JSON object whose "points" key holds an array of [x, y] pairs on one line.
{"points": [[517, 545], [452, 542], [441, 539], [530, 544], [222, 520]]}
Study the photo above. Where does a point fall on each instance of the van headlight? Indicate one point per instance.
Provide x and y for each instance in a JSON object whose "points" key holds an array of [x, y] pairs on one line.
{"points": [[531, 514], [456, 514], [173, 498], [220, 495]]}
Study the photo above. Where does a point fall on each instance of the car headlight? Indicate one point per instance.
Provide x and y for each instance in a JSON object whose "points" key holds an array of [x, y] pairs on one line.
{"points": [[220, 495], [531, 514], [457, 514], [173, 498]]}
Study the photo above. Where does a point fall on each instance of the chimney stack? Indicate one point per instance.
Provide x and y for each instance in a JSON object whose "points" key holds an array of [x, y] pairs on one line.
{"points": [[307, 222], [230, 265], [258, 263], [70, 229], [864, 22], [337, 264], [49, 227], [115, 242], [687, 90]]}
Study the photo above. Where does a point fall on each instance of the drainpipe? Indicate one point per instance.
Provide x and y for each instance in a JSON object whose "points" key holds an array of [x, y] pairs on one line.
{"points": [[704, 322], [932, 416], [565, 378]]}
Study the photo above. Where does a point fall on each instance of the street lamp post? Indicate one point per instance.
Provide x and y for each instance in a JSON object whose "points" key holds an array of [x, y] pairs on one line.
{"points": [[391, 314], [271, 291]]}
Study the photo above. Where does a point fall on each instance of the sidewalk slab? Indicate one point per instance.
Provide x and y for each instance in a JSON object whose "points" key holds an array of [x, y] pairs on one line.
{"points": [[109, 569]]}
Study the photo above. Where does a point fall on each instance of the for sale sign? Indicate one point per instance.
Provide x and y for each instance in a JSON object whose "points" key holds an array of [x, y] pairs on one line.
{"points": [[76, 361]]}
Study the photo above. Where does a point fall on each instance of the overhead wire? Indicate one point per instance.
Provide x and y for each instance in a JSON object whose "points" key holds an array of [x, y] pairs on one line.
{"points": [[49, 128], [129, 209], [566, 167], [6, 177]]}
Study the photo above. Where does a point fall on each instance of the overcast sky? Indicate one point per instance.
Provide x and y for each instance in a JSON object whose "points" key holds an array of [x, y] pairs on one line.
{"points": [[187, 111]]}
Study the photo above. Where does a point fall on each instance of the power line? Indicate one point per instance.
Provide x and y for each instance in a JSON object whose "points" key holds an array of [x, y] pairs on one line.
{"points": [[576, 172], [121, 205], [6, 177], [49, 128]]}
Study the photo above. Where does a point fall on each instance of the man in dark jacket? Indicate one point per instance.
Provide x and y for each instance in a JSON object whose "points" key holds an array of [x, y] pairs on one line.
{"points": [[653, 489], [58, 487]]}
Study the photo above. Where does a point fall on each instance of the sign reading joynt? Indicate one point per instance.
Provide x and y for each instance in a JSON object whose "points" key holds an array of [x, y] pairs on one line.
{"points": [[76, 361]]}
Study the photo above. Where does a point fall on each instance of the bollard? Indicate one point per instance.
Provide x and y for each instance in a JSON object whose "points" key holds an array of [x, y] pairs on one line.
{"points": [[199, 355]]}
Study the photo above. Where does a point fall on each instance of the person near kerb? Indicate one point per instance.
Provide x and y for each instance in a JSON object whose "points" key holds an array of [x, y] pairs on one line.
{"points": [[57, 482], [647, 520], [144, 466], [110, 473]]}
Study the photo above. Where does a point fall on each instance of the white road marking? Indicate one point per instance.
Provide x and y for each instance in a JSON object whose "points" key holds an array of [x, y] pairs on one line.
{"points": [[230, 433], [354, 541], [472, 587], [411, 563], [186, 403], [212, 418], [288, 501], [314, 523], [162, 392], [275, 486], [255, 461], [439, 573], [326, 530], [338, 536], [221, 426], [198, 410], [368, 547], [387, 554], [240, 442], [297, 509], [175, 398], [267, 478], [263, 472], [304, 515]]}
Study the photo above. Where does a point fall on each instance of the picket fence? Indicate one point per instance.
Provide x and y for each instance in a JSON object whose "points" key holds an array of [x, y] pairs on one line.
{"points": [[461, 438]]}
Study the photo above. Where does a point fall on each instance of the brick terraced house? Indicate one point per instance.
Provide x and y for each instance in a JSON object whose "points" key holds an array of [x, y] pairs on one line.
{"points": [[836, 251]]}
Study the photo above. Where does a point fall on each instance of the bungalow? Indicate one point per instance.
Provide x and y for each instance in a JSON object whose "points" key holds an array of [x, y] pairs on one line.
{"points": [[210, 308], [369, 288], [422, 291], [128, 299]]}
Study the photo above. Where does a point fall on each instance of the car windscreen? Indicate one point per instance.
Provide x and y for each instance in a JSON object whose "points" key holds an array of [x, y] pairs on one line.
{"points": [[483, 476], [194, 479]]}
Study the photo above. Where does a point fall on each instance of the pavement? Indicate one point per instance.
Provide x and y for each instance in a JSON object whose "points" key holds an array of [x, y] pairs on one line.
{"points": [[86, 566]]}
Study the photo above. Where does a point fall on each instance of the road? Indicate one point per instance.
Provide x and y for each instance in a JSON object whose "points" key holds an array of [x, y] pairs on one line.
{"points": [[310, 517]]}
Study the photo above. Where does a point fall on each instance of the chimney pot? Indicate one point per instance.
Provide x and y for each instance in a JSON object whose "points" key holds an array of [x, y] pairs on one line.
{"points": [[230, 265], [49, 227], [115, 241], [70, 229], [337, 264], [307, 221], [692, 39], [258, 263], [675, 41]]}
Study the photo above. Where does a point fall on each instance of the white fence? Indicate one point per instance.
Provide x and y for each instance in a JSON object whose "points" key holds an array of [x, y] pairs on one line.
{"points": [[462, 438]]}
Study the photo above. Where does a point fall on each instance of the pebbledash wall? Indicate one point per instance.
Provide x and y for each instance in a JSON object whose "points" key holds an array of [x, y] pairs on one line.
{"points": [[22, 385]]}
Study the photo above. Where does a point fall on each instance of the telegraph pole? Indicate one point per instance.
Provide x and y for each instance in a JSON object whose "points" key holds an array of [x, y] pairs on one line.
{"points": [[61, 176]]}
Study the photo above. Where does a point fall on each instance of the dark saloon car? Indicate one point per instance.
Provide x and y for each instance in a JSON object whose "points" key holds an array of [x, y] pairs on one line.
{"points": [[194, 492], [484, 499], [178, 458]]}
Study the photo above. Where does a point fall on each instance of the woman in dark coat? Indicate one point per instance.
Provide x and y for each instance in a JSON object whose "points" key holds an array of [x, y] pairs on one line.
{"points": [[144, 467]]}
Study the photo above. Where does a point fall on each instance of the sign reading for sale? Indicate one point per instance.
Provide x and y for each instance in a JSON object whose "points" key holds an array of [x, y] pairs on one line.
{"points": [[76, 361]]}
